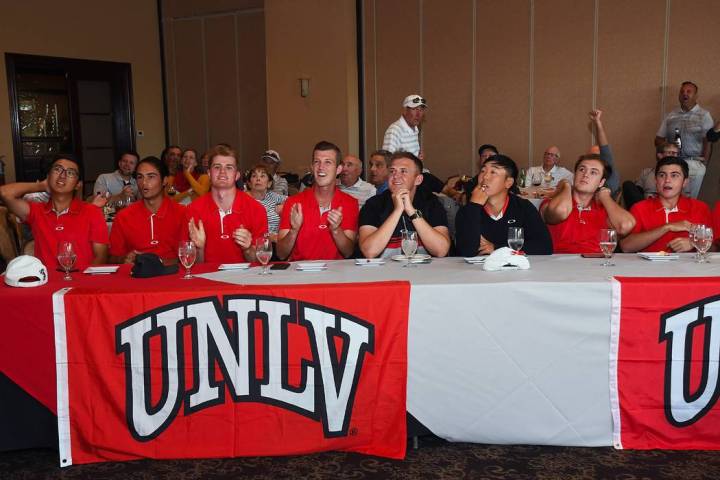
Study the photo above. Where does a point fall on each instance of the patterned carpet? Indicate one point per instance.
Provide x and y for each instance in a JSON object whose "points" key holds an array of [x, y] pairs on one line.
{"points": [[435, 459]]}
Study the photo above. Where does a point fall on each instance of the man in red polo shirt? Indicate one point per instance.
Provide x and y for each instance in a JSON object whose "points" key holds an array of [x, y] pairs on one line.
{"points": [[63, 218], [153, 225], [319, 223], [575, 215], [663, 222], [225, 222]]}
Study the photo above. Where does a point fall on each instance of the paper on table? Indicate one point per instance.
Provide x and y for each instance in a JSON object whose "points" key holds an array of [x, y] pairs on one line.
{"points": [[311, 265], [369, 262], [658, 256], [234, 266], [475, 260], [104, 269]]}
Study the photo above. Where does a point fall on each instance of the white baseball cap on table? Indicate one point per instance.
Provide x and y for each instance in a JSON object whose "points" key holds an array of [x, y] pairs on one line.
{"points": [[506, 259], [26, 271]]}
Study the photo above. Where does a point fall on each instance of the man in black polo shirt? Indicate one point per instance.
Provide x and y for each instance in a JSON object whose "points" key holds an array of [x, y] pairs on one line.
{"points": [[399, 208]]}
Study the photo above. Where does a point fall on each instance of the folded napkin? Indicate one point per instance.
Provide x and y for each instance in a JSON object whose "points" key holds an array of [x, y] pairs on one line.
{"points": [[506, 258]]}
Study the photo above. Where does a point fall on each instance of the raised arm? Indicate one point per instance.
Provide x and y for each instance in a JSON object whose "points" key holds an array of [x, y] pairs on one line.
{"points": [[12, 194], [560, 205], [596, 118], [620, 219], [288, 237], [200, 186]]}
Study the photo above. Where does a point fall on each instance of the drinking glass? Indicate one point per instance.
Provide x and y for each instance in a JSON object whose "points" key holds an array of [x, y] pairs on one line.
{"points": [[187, 253], [66, 258], [537, 179], [703, 238], [608, 242], [691, 237], [547, 178], [516, 238], [263, 252], [409, 245]]}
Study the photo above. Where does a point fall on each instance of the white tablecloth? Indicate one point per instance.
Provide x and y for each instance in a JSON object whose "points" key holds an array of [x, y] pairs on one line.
{"points": [[505, 357]]}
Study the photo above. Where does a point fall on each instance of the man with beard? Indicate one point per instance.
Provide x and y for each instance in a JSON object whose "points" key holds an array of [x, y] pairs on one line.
{"points": [[121, 183]]}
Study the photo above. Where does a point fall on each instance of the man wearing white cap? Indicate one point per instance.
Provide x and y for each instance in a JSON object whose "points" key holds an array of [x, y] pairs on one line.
{"points": [[271, 159], [404, 133]]}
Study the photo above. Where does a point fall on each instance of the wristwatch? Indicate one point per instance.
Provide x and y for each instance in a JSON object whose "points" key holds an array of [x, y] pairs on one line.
{"points": [[417, 214]]}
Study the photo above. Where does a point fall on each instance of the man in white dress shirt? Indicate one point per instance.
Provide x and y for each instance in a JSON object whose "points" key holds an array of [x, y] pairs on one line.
{"points": [[550, 165], [351, 183]]}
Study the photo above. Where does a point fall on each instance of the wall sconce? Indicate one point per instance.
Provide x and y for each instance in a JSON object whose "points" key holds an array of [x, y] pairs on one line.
{"points": [[304, 87]]}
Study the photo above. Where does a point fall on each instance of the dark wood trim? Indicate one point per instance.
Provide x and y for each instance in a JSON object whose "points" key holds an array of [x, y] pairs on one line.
{"points": [[163, 71], [75, 70]]}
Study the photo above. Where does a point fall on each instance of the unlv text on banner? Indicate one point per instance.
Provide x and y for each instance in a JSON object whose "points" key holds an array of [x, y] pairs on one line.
{"points": [[225, 335], [682, 406]]}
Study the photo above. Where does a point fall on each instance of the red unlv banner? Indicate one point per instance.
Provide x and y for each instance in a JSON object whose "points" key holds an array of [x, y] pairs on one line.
{"points": [[665, 353], [231, 371]]}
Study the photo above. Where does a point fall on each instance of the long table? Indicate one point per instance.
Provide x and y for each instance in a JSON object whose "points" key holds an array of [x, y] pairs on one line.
{"points": [[493, 357]]}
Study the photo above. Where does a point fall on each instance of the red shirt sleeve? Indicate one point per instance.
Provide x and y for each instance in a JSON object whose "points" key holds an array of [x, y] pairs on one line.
{"points": [[118, 243], [35, 208], [638, 214], [704, 216], [98, 227], [285, 214], [350, 215]]}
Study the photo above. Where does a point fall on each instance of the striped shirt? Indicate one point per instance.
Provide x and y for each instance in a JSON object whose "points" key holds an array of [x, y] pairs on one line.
{"points": [[270, 202], [401, 137], [692, 126]]}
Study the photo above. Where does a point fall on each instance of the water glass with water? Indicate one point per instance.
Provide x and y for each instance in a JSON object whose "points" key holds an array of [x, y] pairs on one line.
{"points": [[608, 243], [516, 238]]}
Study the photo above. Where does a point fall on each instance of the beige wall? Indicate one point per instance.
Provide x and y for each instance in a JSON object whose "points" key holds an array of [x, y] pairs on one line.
{"points": [[215, 72], [312, 39], [524, 73], [95, 30]]}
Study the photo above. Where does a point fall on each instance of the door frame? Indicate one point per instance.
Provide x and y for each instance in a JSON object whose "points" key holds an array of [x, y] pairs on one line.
{"points": [[75, 70]]}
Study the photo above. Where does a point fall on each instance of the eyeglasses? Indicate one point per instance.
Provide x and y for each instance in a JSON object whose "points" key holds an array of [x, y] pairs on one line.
{"points": [[418, 101], [549, 154], [69, 172]]}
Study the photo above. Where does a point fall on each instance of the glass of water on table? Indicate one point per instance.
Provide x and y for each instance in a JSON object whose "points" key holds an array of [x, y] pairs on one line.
{"points": [[66, 257], [516, 238], [608, 243], [263, 252], [409, 245], [187, 253]]}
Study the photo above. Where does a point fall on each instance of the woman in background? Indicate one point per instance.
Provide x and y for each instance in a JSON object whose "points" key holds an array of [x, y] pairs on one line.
{"points": [[259, 184], [189, 183]]}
